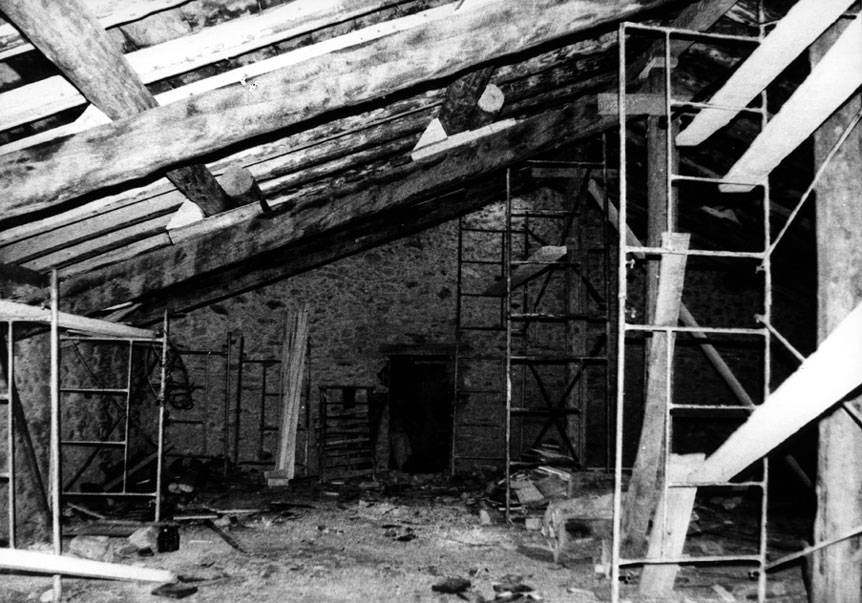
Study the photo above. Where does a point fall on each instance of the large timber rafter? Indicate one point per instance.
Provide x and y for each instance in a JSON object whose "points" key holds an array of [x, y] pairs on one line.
{"points": [[439, 43]]}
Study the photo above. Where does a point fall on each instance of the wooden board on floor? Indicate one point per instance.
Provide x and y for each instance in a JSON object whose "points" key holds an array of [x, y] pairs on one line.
{"points": [[48, 563]]}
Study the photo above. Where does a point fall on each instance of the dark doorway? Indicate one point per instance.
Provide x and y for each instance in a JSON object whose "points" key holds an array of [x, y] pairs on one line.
{"points": [[420, 394]]}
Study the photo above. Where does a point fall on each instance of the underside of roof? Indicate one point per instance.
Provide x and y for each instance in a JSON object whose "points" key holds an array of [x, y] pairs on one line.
{"points": [[128, 172]]}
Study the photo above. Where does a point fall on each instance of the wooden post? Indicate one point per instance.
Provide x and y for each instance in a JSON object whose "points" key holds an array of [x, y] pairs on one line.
{"points": [[645, 487], [837, 570]]}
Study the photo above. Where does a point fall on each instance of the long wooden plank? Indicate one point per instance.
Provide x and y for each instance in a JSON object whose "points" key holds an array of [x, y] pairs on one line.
{"points": [[22, 312], [538, 262], [187, 129], [109, 12], [802, 24], [644, 490], [217, 43], [828, 86], [47, 563], [70, 36], [822, 380]]}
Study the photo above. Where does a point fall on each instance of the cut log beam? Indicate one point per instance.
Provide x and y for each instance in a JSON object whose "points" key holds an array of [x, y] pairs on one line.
{"points": [[535, 265], [239, 184], [46, 563], [823, 379], [831, 82], [644, 490], [186, 129], [802, 24], [70, 36]]}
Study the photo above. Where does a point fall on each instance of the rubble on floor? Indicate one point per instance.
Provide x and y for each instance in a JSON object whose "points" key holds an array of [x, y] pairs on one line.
{"points": [[393, 537]]}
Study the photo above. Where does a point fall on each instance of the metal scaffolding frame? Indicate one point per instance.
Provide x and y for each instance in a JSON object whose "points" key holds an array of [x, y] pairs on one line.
{"points": [[15, 313], [500, 344], [625, 251], [190, 360], [124, 419], [6, 398]]}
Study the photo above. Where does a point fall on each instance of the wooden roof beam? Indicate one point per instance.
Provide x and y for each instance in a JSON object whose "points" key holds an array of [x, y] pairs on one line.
{"points": [[439, 44], [71, 37], [222, 248]]}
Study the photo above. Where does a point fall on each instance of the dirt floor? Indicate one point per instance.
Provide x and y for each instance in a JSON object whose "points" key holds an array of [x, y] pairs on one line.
{"points": [[391, 539]]}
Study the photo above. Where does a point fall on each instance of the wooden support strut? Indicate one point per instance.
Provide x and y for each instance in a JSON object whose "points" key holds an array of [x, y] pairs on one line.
{"points": [[644, 491], [71, 37]]}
